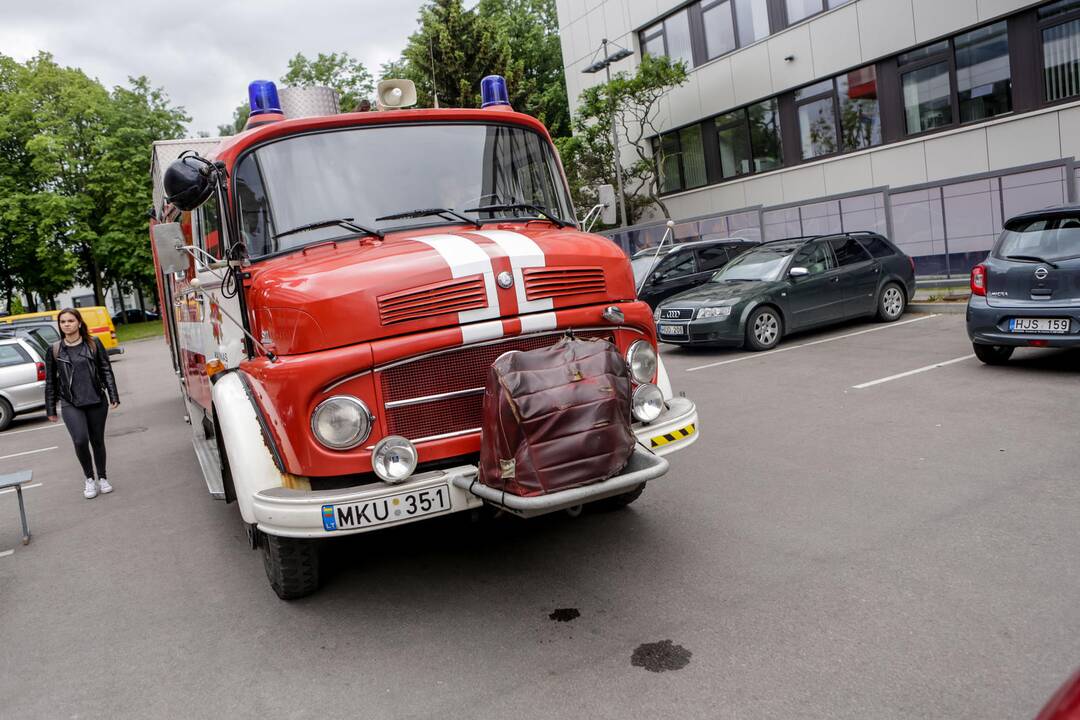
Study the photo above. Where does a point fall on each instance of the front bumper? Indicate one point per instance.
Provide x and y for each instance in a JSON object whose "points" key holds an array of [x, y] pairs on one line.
{"points": [[989, 325], [299, 514], [726, 332]]}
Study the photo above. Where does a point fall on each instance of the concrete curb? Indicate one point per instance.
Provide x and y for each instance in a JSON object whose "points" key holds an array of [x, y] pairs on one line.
{"points": [[940, 308]]}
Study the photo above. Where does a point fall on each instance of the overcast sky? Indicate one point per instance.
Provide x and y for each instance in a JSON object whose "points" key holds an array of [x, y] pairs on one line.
{"points": [[203, 52]]}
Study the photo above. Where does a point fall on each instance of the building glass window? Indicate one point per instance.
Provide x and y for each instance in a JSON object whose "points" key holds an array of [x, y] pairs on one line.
{"points": [[927, 98], [816, 107], [860, 114], [801, 9], [733, 138], [752, 20], [1060, 27], [983, 77], [670, 37], [719, 24], [765, 135], [682, 162]]}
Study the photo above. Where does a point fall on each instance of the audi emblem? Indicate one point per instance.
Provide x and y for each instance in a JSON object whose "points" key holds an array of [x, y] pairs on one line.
{"points": [[671, 313], [1041, 273]]}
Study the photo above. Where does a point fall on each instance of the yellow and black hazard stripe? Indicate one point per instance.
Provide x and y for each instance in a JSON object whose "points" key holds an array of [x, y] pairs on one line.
{"points": [[674, 436]]}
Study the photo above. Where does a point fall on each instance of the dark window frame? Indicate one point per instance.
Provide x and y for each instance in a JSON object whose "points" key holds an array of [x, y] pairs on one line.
{"points": [[1040, 51], [810, 100], [676, 135], [698, 44]]}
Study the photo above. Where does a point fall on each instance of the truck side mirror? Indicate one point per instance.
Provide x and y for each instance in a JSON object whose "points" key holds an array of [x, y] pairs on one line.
{"points": [[606, 197], [169, 244]]}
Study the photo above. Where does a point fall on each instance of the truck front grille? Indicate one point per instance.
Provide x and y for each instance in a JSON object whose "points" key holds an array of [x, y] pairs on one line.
{"points": [[543, 283], [442, 393], [435, 299]]}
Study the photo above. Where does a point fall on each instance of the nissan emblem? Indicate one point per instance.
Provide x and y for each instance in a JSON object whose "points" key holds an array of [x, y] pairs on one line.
{"points": [[1041, 273]]}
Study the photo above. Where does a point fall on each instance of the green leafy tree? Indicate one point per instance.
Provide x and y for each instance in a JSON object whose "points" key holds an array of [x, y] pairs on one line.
{"points": [[239, 119], [339, 71], [632, 101]]}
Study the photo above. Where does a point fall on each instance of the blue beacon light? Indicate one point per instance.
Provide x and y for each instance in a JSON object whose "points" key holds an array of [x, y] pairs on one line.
{"points": [[263, 97], [493, 91]]}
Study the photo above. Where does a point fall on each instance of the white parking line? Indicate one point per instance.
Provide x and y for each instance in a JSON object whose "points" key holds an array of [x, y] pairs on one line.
{"points": [[24, 487], [758, 356], [6, 553], [50, 426], [28, 452], [909, 373]]}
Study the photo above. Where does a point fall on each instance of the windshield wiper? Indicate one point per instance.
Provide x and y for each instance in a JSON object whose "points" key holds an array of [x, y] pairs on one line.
{"points": [[346, 223], [425, 212], [1031, 258], [523, 206]]}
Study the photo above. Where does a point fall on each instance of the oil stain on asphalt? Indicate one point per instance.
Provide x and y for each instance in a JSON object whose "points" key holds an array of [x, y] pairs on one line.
{"points": [[660, 656], [565, 614]]}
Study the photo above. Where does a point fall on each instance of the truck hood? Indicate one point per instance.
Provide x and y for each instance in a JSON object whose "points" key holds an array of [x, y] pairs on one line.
{"points": [[334, 294]]}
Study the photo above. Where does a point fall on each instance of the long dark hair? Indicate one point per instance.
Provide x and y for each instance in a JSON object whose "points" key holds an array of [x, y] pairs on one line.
{"points": [[84, 332]]}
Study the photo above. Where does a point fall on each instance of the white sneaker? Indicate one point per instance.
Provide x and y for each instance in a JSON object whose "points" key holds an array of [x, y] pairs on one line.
{"points": [[106, 488], [90, 491]]}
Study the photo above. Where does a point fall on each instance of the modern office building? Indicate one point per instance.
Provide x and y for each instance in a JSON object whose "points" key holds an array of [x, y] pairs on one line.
{"points": [[928, 120]]}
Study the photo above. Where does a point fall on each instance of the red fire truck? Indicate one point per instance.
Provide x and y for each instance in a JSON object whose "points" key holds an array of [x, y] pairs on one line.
{"points": [[339, 286]]}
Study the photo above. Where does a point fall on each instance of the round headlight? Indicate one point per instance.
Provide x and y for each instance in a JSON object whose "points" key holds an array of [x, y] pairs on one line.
{"points": [[647, 403], [642, 361], [394, 459], [341, 422]]}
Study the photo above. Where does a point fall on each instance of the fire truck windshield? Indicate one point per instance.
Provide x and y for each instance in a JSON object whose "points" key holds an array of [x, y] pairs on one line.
{"points": [[486, 172]]}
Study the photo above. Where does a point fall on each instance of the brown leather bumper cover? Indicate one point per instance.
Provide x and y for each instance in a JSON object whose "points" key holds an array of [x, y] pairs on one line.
{"points": [[556, 418]]}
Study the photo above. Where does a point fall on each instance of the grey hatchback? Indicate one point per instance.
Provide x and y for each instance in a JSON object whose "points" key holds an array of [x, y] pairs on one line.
{"points": [[1027, 291], [22, 379]]}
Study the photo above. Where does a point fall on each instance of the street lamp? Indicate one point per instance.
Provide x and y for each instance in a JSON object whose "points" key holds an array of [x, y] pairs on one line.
{"points": [[605, 65]]}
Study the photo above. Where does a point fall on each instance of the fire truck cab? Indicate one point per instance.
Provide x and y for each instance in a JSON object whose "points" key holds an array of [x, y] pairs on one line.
{"points": [[339, 286]]}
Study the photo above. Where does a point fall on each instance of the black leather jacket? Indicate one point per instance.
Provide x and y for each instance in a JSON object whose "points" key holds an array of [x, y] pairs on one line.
{"points": [[58, 376]]}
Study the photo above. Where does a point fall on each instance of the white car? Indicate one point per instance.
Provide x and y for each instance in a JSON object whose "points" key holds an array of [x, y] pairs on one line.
{"points": [[22, 379]]}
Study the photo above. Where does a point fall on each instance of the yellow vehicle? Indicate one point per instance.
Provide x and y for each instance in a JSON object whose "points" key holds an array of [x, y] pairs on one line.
{"points": [[97, 319]]}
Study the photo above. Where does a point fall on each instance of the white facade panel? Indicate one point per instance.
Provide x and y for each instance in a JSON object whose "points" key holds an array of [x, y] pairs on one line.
{"points": [[716, 86], [1069, 128], [803, 183], [597, 32], [956, 155], [562, 10], [616, 20], [642, 11], [848, 175], [579, 39], [1024, 141], [684, 103], [834, 41], [799, 70], [751, 73], [934, 18], [767, 190], [885, 27], [899, 166], [989, 9]]}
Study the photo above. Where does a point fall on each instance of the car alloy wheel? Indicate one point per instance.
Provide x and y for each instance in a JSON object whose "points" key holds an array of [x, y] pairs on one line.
{"points": [[766, 328], [892, 302]]}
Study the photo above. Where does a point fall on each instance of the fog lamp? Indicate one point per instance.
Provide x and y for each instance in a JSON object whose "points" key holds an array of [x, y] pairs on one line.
{"points": [[394, 459], [647, 403]]}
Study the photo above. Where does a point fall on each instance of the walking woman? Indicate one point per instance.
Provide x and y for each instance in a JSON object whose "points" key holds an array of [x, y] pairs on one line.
{"points": [[79, 375]]}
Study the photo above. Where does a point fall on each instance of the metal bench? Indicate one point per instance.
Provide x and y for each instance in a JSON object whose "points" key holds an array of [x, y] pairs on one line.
{"points": [[17, 480]]}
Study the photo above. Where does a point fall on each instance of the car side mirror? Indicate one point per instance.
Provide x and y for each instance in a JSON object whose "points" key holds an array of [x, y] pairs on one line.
{"points": [[169, 246], [798, 272]]}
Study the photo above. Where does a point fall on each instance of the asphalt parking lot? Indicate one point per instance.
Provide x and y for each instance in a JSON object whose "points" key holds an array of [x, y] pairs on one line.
{"points": [[872, 525]]}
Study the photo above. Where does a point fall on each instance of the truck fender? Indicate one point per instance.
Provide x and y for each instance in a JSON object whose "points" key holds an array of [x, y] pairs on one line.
{"points": [[251, 460], [662, 380]]}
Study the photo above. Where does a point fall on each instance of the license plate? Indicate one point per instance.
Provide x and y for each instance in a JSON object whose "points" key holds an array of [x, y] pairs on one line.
{"points": [[666, 329], [386, 510], [1053, 326]]}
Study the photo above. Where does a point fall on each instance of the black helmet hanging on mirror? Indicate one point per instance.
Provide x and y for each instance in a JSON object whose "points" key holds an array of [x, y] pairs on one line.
{"points": [[188, 183]]}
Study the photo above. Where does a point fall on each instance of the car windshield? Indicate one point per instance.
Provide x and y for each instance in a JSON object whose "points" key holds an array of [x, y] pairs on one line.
{"points": [[373, 172], [642, 262], [764, 263], [1043, 240]]}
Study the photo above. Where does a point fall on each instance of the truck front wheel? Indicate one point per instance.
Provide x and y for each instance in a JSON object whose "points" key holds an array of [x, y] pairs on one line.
{"points": [[292, 565]]}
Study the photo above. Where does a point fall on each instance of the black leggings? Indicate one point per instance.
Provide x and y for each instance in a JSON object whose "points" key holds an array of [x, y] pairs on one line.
{"points": [[87, 428]]}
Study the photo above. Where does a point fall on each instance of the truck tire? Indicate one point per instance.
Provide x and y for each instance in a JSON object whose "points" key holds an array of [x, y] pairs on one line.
{"points": [[618, 502], [292, 565]]}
